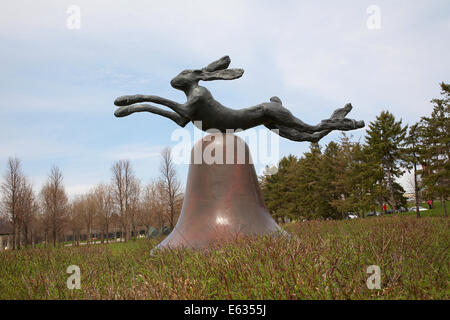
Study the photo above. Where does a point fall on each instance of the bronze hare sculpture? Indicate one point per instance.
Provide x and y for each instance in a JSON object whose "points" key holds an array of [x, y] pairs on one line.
{"points": [[201, 106]]}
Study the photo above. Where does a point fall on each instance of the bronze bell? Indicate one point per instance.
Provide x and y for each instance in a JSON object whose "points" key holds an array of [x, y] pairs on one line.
{"points": [[222, 198]]}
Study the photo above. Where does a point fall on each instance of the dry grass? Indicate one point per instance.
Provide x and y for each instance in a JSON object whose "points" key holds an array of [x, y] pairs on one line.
{"points": [[324, 260]]}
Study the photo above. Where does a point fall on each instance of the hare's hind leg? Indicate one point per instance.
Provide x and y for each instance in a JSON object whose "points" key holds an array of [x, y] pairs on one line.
{"points": [[295, 135], [337, 121], [274, 112]]}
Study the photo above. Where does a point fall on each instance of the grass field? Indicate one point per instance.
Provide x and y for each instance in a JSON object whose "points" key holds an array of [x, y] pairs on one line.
{"points": [[323, 260], [436, 211]]}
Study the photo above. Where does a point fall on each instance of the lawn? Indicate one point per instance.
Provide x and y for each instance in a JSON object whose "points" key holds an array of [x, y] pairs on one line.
{"points": [[322, 260], [436, 211]]}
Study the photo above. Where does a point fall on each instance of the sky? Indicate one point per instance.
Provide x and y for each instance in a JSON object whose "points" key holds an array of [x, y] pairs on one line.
{"points": [[58, 82]]}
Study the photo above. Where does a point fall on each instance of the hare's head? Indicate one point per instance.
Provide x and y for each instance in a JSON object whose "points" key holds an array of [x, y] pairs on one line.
{"points": [[216, 70]]}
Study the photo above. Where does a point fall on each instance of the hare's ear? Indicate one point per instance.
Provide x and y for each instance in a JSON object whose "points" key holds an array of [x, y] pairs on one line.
{"points": [[220, 64], [228, 74]]}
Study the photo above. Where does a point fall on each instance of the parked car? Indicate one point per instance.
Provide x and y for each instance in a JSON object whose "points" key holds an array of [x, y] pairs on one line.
{"points": [[412, 209], [350, 216], [373, 213], [402, 209]]}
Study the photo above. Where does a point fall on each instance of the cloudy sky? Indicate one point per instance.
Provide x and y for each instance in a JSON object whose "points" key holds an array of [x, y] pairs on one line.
{"points": [[58, 84]]}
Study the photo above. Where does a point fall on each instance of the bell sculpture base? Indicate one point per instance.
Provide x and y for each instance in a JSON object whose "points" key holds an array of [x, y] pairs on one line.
{"points": [[222, 198]]}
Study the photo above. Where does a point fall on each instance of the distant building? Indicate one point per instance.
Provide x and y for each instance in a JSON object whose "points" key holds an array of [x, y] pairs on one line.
{"points": [[5, 235]]}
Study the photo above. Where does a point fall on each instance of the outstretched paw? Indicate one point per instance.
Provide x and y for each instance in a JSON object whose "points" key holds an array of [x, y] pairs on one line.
{"points": [[122, 112], [122, 101], [342, 112], [359, 124]]}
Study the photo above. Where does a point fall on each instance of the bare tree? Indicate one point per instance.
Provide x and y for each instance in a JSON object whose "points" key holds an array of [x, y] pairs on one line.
{"points": [[124, 188], [104, 203], [151, 206], [10, 195], [27, 209], [75, 219], [55, 201], [170, 185], [88, 213], [133, 207]]}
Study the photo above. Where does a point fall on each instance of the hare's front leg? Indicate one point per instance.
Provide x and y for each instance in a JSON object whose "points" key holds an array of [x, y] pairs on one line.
{"points": [[128, 100], [137, 98], [127, 110]]}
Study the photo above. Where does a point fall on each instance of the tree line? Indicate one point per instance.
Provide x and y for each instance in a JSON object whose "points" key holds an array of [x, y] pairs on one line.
{"points": [[123, 207], [360, 177]]}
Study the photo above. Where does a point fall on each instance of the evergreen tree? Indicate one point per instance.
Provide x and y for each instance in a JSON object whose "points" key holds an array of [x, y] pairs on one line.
{"points": [[333, 173], [338, 158], [385, 138], [354, 180], [436, 148], [414, 145], [313, 188], [279, 190], [361, 179]]}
